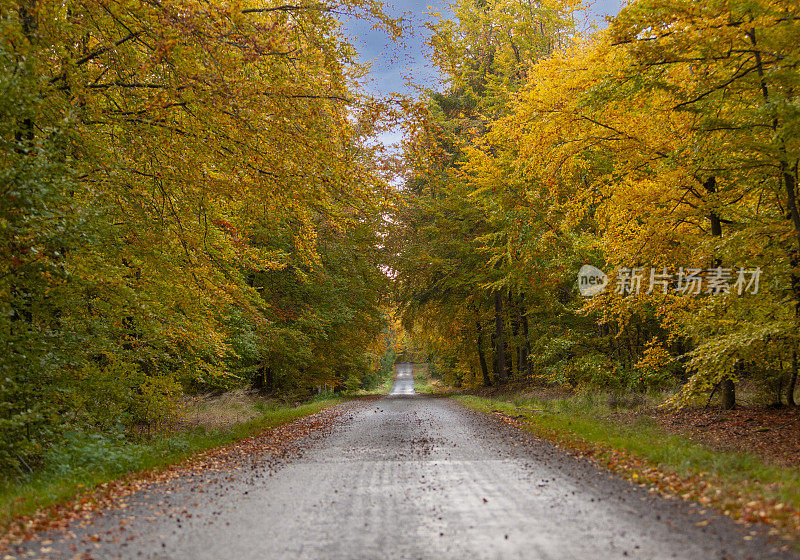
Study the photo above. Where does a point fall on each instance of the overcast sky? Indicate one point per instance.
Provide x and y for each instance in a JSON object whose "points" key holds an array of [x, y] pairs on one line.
{"points": [[394, 65]]}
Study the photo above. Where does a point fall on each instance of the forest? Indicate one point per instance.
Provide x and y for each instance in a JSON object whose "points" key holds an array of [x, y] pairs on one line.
{"points": [[191, 200], [662, 150], [188, 204]]}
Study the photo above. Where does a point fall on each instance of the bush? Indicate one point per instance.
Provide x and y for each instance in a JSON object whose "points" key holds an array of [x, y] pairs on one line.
{"points": [[83, 453], [353, 383]]}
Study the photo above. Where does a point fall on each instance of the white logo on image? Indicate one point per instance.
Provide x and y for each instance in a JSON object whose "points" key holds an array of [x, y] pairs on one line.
{"points": [[591, 280]]}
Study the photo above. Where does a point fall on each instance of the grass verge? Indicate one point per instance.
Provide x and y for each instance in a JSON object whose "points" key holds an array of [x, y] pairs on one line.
{"points": [[84, 462], [422, 384], [740, 485], [381, 389]]}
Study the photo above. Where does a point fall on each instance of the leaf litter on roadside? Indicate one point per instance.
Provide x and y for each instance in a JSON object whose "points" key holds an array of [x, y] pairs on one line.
{"points": [[265, 450], [745, 504]]}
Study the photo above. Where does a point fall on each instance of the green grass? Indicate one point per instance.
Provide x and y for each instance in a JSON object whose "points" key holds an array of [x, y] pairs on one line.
{"points": [[576, 421], [384, 387], [381, 389], [84, 461], [422, 384]]}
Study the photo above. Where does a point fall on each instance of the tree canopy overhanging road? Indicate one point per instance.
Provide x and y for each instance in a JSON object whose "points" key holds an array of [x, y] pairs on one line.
{"points": [[195, 212]]}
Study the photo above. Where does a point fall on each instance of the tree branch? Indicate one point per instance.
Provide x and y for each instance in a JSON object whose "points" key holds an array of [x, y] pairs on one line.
{"points": [[288, 8]]}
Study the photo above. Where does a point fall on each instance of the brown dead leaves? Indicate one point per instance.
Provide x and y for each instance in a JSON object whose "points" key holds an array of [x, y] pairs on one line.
{"points": [[746, 503], [771, 433], [266, 449]]}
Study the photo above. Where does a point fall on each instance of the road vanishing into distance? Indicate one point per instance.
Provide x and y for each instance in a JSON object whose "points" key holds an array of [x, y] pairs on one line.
{"points": [[403, 476], [403, 380]]}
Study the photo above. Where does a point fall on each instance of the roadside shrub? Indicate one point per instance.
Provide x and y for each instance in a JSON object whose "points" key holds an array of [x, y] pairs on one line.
{"points": [[353, 383], [81, 453]]}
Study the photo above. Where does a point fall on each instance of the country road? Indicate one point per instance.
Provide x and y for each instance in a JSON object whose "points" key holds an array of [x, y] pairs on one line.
{"points": [[406, 476], [403, 380]]}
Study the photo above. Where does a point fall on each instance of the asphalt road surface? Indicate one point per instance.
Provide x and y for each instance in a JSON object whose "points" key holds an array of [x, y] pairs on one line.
{"points": [[403, 380], [407, 476]]}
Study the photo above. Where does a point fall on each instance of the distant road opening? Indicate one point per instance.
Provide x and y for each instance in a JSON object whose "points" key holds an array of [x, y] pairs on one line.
{"points": [[403, 379]]}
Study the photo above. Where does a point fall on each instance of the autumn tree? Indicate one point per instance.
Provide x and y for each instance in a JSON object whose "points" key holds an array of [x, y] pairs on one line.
{"points": [[663, 143], [448, 278], [188, 201]]}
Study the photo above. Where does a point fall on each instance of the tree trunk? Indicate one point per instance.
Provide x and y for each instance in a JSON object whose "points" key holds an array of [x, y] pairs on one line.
{"points": [[499, 339], [516, 366], [264, 379], [728, 394], [523, 350], [728, 386], [716, 224], [792, 381], [788, 174], [790, 181], [487, 380], [526, 342]]}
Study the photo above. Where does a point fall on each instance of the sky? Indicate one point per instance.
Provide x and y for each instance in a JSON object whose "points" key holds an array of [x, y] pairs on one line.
{"points": [[394, 66]]}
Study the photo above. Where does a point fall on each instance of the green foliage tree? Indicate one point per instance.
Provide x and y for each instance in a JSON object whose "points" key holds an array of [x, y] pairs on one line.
{"points": [[187, 201]]}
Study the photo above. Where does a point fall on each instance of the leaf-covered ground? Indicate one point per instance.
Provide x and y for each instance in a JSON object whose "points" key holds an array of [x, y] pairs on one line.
{"points": [[772, 433]]}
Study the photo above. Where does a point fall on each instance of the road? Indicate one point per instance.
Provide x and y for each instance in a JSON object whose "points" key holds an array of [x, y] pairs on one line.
{"points": [[403, 380], [407, 476]]}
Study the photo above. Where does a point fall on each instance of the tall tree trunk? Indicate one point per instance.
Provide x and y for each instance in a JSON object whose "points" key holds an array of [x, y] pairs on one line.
{"points": [[487, 380], [788, 173], [499, 339], [728, 386], [790, 182], [526, 346], [716, 224], [516, 366], [521, 337], [779, 393]]}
